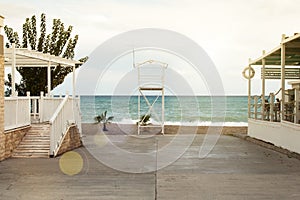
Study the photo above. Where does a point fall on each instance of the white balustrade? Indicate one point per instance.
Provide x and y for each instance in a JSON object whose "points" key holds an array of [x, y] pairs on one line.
{"points": [[48, 107], [65, 116], [16, 112], [60, 112]]}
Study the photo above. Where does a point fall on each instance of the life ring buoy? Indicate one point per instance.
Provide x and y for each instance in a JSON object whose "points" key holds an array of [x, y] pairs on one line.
{"points": [[250, 74]]}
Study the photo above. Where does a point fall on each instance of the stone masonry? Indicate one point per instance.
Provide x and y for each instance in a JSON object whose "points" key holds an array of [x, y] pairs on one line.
{"points": [[71, 141], [12, 139], [2, 136]]}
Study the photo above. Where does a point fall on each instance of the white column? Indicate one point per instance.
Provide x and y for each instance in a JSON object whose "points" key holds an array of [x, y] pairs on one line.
{"points": [[139, 109], [282, 75], [249, 92], [13, 71], [263, 86], [49, 78], [255, 107], [163, 110], [74, 82], [29, 104]]}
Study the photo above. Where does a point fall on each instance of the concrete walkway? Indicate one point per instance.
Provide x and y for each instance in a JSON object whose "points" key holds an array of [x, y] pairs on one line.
{"points": [[235, 169]]}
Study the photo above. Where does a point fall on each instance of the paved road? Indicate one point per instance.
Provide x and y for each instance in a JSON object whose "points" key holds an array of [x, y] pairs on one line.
{"points": [[235, 169]]}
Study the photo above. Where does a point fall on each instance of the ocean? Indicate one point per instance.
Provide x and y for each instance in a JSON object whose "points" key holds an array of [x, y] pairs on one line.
{"points": [[181, 110]]}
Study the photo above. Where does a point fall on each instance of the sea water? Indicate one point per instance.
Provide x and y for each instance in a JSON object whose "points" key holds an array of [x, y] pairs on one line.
{"points": [[183, 110]]}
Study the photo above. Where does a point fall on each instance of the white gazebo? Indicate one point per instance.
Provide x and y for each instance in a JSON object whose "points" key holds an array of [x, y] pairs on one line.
{"points": [[15, 57], [59, 113]]}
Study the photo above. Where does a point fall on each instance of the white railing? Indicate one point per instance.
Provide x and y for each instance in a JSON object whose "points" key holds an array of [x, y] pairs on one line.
{"points": [[48, 106], [16, 112], [43, 108], [65, 116], [60, 112], [77, 114], [265, 109]]}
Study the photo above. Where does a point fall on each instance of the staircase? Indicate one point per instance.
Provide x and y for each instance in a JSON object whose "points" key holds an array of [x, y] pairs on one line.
{"points": [[36, 142]]}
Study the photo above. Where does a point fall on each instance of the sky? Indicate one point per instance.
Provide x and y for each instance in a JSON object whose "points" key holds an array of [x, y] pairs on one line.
{"points": [[229, 31]]}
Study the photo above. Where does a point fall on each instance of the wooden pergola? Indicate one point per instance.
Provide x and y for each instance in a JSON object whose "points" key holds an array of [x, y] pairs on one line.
{"points": [[22, 57]]}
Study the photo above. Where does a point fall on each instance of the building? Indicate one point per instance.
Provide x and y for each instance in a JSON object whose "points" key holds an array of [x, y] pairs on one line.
{"points": [[275, 117]]}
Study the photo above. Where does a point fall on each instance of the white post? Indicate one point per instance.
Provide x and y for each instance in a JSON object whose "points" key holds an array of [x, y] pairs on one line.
{"points": [[139, 98], [139, 110], [163, 100], [17, 107], [263, 86], [49, 77], [13, 71], [282, 76], [249, 93], [163, 110], [28, 97], [74, 82], [41, 107], [255, 107]]}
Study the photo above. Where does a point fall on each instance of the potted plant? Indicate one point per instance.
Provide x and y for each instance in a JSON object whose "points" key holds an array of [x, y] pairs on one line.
{"points": [[103, 119], [144, 120]]}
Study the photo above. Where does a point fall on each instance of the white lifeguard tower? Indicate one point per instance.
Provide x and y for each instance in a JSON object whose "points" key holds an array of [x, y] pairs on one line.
{"points": [[151, 79]]}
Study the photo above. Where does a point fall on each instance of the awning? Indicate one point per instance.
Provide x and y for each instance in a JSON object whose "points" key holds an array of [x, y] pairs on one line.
{"points": [[31, 58], [21, 57], [292, 53]]}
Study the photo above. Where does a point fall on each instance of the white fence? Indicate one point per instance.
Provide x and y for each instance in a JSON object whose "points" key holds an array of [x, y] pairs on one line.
{"points": [[48, 106], [16, 112], [271, 110]]}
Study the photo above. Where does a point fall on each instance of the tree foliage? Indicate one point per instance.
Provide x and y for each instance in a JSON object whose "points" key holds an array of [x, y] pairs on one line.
{"points": [[58, 43]]}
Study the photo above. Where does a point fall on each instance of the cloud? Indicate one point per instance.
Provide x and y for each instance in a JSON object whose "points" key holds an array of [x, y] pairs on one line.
{"points": [[230, 31]]}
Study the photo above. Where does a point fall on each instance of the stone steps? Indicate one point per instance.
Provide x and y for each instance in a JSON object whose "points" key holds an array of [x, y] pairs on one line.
{"points": [[35, 144]]}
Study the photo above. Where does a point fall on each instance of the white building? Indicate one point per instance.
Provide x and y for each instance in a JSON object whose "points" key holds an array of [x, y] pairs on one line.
{"points": [[275, 117]]}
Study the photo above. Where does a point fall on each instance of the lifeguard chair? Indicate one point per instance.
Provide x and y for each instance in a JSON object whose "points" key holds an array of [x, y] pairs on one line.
{"points": [[151, 78]]}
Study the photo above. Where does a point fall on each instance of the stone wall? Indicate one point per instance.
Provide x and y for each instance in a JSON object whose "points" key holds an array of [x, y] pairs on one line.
{"points": [[2, 137], [12, 139], [72, 140]]}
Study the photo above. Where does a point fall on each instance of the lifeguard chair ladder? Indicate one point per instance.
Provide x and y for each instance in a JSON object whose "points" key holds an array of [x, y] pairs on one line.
{"points": [[151, 77]]}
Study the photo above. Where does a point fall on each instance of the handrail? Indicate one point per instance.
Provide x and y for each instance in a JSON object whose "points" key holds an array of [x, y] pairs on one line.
{"points": [[277, 91], [58, 125], [58, 110], [67, 114], [77, 114]]}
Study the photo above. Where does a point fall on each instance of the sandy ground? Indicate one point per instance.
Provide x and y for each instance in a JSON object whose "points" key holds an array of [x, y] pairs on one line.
{"points": [[127, 129]]}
